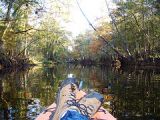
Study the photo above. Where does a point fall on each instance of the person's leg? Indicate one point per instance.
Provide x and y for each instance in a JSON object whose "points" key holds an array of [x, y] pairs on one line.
{"points": [[66, 101], [90, 104], [73, 115], [98, 114], [66, 94]]}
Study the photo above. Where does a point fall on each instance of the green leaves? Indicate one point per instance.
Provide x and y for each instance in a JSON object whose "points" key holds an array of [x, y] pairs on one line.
{"points": [[137, 23]]}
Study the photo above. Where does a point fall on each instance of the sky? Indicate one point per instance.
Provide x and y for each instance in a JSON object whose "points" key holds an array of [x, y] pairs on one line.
{"points": [[94, 9]]}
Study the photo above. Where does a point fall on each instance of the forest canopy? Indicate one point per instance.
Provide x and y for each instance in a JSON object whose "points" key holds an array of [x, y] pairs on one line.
{"points": [[28, 27], [131, 36]]}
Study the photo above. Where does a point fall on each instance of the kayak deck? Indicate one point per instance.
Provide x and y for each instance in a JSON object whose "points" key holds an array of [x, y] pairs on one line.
{"points": [[49, 112]]}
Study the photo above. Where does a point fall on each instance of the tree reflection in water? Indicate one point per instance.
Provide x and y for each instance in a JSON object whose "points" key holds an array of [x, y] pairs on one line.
{"points": [[34, 109], [130, 94]]}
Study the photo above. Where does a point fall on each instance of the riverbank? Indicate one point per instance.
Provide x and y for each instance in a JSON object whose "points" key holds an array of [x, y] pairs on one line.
{"points": [[120, 63], [7, 62]]}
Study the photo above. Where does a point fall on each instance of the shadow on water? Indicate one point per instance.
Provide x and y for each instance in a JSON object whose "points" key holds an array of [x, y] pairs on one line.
{"points": [[129, 94]]}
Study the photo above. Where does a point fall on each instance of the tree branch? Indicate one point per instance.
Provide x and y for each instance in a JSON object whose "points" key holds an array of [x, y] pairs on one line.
{"points": [[100, 36], [23, 31]]}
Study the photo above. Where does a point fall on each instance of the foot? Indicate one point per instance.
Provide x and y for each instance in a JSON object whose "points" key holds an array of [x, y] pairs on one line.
{"points": [[90, 104], [66, 96]]}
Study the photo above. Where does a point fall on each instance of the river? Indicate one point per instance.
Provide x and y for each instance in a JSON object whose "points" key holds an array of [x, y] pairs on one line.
{"points": [[129, 94]]}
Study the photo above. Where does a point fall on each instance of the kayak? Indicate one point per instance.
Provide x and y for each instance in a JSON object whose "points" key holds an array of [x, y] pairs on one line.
{"points": [[49, 112]]}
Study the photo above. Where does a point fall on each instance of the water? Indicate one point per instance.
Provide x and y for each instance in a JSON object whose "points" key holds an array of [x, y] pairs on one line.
{"points": [[129, 94]]}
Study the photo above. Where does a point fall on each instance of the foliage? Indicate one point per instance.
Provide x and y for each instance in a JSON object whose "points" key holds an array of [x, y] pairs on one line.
{"points": [[51, 40], [134, 32], [28, 27], [138, 23], [89, 46]]}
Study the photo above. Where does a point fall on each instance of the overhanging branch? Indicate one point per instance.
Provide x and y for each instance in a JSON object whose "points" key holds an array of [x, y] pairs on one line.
{"points": [[24, 31], [100, 36]]}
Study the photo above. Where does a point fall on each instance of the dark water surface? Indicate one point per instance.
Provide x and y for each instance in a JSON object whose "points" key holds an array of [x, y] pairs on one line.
{"points": [[129, 94]]}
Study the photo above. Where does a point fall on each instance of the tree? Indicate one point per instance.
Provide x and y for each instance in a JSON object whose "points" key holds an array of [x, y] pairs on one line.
{"points": [[137, 22], [24, 24]]}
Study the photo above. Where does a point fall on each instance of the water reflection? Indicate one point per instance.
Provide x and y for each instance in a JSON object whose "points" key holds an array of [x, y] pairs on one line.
{"points": [[34, 108], [129, 94]]}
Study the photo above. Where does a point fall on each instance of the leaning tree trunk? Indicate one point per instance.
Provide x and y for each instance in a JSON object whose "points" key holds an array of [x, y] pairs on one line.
{"points": [[5, 60]]}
